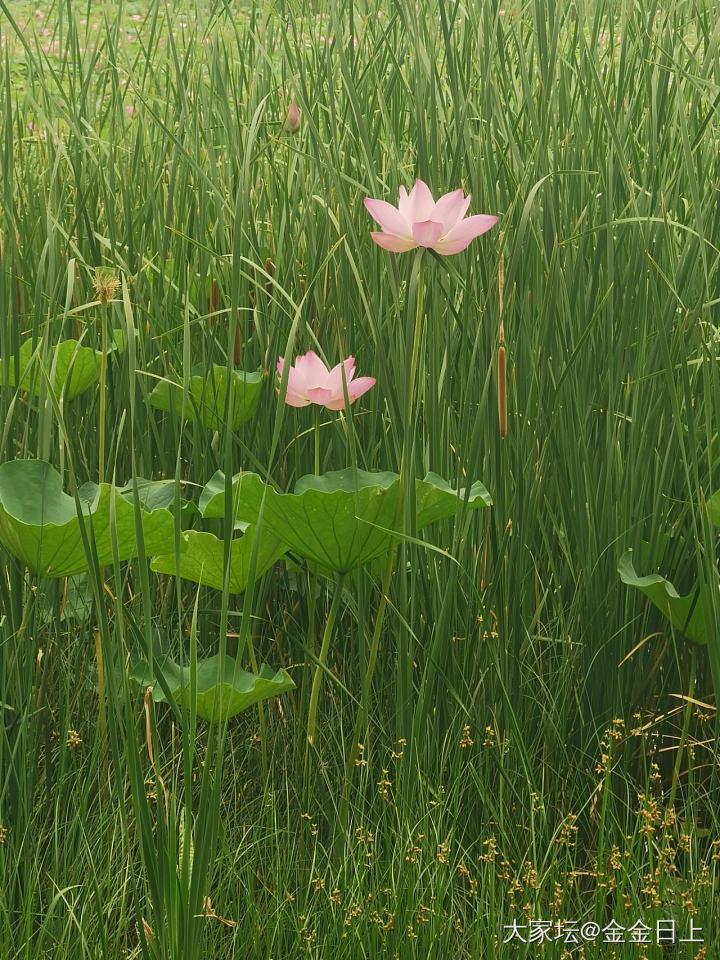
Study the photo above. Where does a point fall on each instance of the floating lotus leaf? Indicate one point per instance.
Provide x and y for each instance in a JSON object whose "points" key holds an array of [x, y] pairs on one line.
{"points": [[77, 368], [208, 396], [218, 697], [202, 555], [691, 614], [39, 523], [339, 520]]}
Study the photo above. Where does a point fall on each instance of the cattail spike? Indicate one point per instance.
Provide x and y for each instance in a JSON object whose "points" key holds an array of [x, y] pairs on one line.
{"points": [[237, 352], [270, 270], [502, 391]]}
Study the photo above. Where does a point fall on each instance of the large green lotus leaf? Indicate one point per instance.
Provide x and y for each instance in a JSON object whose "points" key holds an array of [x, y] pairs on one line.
{"points": [[77, 368], [157, 495], [208, 395], [691, 614], [714, 508], [160, 495], [236, 689], [39, 522], [339, 520], [201, 558]]}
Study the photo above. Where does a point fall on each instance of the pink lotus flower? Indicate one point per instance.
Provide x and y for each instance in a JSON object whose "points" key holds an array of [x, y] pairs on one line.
{"points": [[310, 381], [292, 120], [418, 221]]}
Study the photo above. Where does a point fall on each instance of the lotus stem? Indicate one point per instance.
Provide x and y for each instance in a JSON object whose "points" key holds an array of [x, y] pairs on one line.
{"points": [[105, 284], [103, 386], [502, 358], [405, 464], [261, 708], [361, 717], [322, 659], [104, 294], [414, 360], [317, 440], [101, 684], [680, 750], [683, 734]]}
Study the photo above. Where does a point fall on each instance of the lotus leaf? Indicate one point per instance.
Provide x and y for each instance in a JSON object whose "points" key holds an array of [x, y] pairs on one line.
{"points": [[691, 614], [217, 697], [714, 508], [77, 368], [202, 556], [208, 396], [339, 520], [39, 523]]}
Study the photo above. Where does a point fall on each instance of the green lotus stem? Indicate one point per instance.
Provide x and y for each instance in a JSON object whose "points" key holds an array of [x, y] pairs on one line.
{"points": [[261, 710], [101, 684], [317, 440], [678, 758], [414, 360], [361, 717], [101, 476], [322, 659], [103, 382], [311, 638], [683, 734]]}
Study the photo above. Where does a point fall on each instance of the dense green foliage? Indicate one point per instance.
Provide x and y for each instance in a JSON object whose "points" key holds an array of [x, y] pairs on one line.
{"points": [[536, 739]]}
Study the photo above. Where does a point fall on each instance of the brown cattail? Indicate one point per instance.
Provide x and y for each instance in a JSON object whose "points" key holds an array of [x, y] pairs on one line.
{"points": [[237, 352], [502, 391], [148, 932], [270, 271]]}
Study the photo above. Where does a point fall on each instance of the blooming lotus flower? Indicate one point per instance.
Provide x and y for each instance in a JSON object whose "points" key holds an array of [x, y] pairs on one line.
{"points": [[418, 221], [292, 120], [310, 381]]}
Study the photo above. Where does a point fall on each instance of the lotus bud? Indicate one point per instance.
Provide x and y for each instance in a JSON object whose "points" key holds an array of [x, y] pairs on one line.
{"points": [[292, 120]]}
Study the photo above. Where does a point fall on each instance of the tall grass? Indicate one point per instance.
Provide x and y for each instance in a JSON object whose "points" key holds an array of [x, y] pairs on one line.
{"points": [[523, 736]]}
